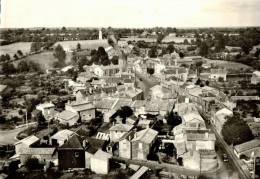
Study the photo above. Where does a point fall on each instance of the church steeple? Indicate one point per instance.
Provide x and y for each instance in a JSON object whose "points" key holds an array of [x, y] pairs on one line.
{"points": [[100, 34]]}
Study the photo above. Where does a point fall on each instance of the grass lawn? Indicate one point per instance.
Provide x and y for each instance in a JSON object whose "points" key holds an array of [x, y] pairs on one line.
{"points": [[11, 49]]}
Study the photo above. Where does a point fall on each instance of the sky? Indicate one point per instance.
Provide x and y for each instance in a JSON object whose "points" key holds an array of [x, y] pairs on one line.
{"points": [[129, 13]]}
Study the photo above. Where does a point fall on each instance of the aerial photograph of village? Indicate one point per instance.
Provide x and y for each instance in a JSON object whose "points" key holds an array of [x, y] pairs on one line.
{"points": [[130, 89]]}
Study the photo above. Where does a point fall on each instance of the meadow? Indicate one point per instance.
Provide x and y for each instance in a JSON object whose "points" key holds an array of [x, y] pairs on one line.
{"points": [[45, 59], [228, 64], [85, 44], [11, 49]]}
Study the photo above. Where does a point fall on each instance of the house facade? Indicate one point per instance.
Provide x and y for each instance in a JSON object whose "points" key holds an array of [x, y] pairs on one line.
{"points": [[118, 130], [71, 154], [142, 143], [255, 79], [67, 118], [85, 109], [47, 110]]}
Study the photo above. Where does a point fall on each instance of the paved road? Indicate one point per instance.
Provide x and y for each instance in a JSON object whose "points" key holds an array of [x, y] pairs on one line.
{"points": [[234, 160], [8, 136]]}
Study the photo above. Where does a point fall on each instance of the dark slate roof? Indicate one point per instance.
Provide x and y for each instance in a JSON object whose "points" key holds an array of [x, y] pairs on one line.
{"points": [[72, 143]]}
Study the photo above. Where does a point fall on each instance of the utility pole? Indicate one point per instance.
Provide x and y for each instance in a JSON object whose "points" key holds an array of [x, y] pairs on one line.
{"points": [[26, 118], [200, 162]]}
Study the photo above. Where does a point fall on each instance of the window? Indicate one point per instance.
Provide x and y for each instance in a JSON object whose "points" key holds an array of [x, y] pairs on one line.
{"points": [[76, 154]]}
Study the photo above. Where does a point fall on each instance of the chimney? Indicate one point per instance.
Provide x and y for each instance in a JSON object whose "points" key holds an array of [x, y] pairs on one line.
{"points": [[207, 135]]}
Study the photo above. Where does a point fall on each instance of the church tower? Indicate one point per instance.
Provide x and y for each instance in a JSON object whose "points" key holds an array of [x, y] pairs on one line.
{"points": [[100, 34]]}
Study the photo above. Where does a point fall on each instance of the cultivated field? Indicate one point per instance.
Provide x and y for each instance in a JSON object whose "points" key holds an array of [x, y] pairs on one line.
{"points": [[11, 49], [85, 44], [137, 39], [228, 64]]}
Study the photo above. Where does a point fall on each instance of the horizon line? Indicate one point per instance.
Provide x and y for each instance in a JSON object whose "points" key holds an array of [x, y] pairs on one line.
{"points": [[121, 27]]}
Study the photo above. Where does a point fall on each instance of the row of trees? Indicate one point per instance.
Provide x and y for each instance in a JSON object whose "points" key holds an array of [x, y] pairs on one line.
{"points": [[23, 66], [246, 40], [7, 58]]}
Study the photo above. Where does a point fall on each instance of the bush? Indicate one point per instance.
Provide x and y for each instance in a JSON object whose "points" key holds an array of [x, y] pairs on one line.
{"points": [[33, 164]]}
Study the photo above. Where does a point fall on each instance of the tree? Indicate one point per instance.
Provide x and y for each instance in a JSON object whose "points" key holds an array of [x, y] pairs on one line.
{"points": [[60, 54], [36, 46], [220, 42], [40, 120], [16, 57], [78, 47], [240, 132], [257, 53], [221, 79], [150, 71], [159, 38], [198, 82], [20, 53], [114, 60], [186, 42], [173, 119], [181, 54], [7, 57], [152, 53], [23, 66], [125, 112], [170, 48], [246, 45], [204, 49], [8, 68], [198, 65]]}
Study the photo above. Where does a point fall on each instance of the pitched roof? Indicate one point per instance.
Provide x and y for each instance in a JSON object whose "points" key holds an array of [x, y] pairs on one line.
{"points": [[102, 155], [46, 105], [62, 135], [146, 135], [218, 71], [106, 103], [121, 127], [94, 144], [191, 116], [224, 111], [257, 73], [28, 140], [123, 102], [2, 88], [255, 143], [38, 151], [196, 135], [184, 108], [81, 105], [66, 115], [72, 143]]}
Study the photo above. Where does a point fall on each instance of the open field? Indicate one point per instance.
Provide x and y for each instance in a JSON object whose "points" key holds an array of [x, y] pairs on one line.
{"points": [[137, 39], [11, 49], [45, 59], [228, 64], [85, 44]]}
